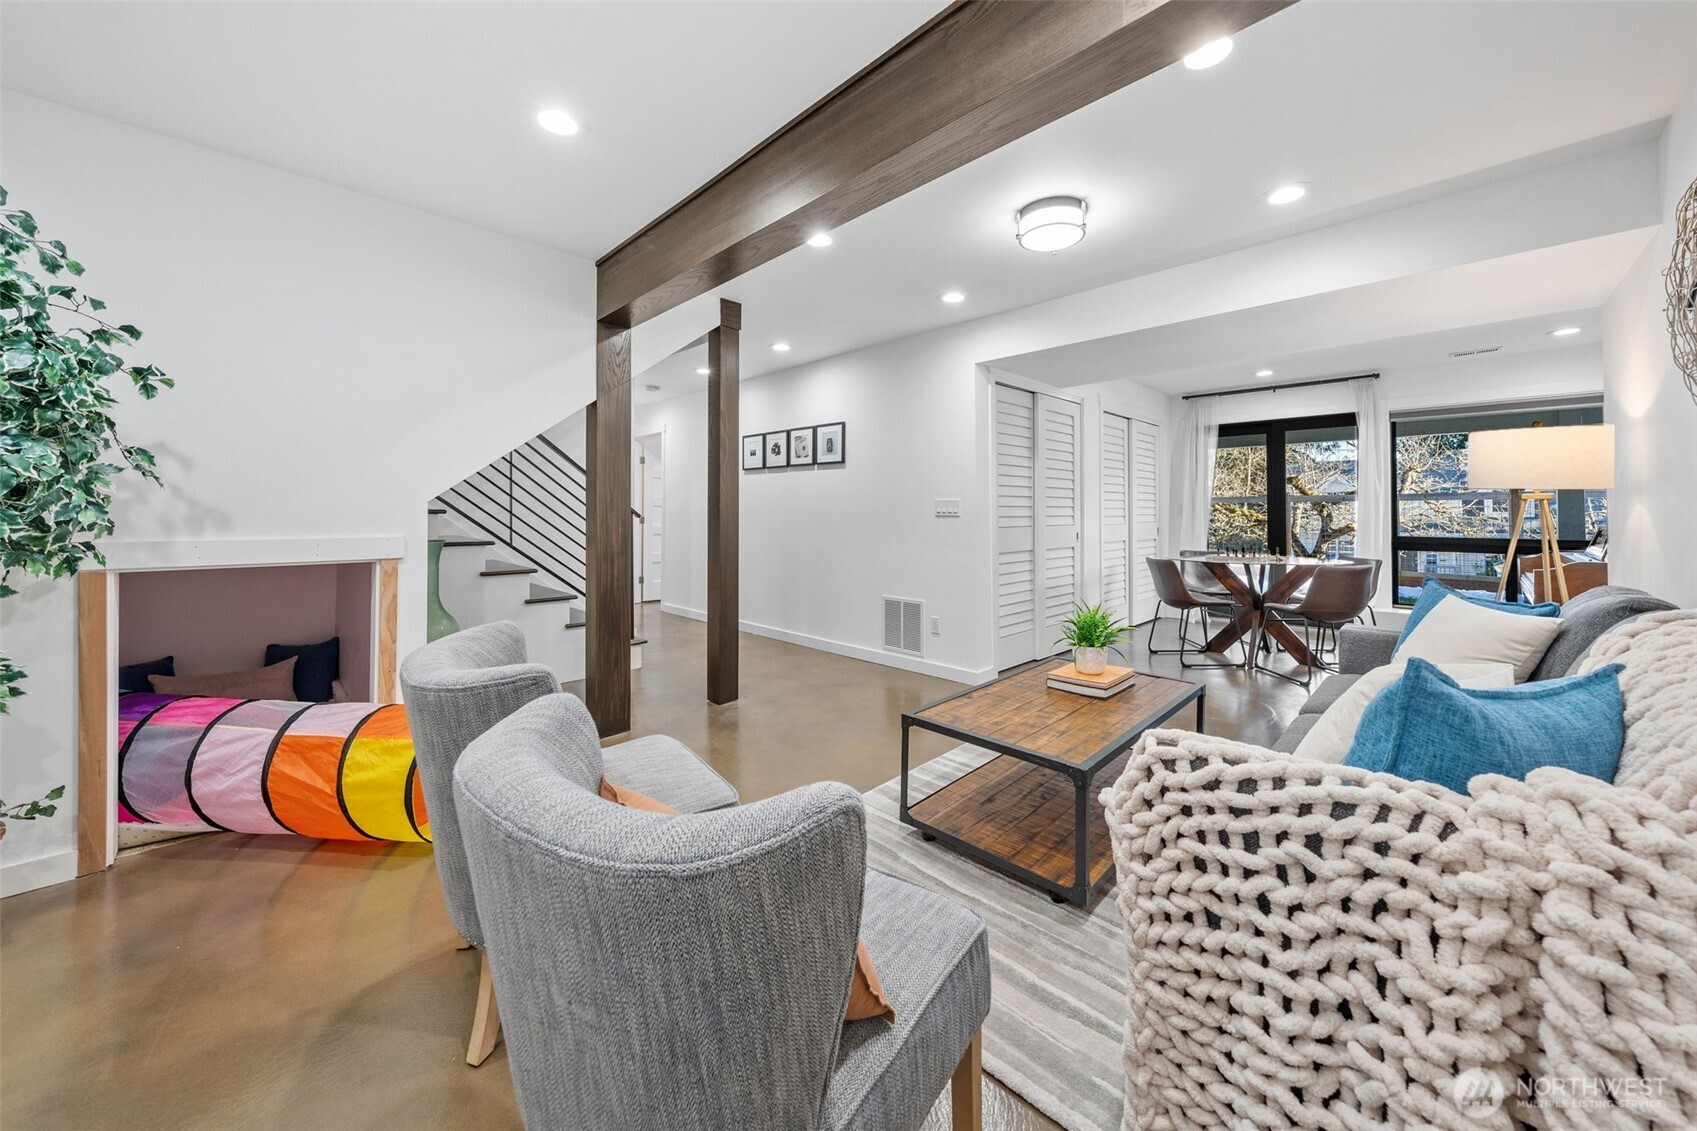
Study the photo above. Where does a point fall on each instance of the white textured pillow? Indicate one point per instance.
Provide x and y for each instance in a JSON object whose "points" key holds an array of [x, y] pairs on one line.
{"points": [[1458, 631], [1332, 735]]}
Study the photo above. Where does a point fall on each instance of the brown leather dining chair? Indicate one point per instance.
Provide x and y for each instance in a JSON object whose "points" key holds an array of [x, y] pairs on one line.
{"points": [[1170, 589], [1336, 596]]}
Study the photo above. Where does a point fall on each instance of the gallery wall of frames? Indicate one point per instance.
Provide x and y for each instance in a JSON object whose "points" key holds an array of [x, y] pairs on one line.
{"points": [[813, 446]]}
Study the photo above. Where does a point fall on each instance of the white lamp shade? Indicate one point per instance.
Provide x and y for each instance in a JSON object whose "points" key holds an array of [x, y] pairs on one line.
{"points": [[1574, 457]]}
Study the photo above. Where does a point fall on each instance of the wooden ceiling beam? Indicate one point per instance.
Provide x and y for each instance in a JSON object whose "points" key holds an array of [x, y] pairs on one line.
{"points": [[979, 75]]}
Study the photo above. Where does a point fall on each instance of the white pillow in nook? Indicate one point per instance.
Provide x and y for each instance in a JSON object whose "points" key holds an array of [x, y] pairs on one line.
{"points": [[1331, 737], [1459, 631]]}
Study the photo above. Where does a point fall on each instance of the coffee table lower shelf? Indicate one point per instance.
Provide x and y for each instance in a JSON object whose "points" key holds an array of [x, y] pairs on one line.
{"points": [[1023, 819]]}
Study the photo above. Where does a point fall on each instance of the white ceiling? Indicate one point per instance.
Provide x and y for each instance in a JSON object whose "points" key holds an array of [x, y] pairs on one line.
{"points": [[1512, 302], [433, 104], [1376, 104]]}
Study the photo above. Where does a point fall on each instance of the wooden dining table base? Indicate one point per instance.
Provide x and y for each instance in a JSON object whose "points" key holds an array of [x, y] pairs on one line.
{"points": [[1252, 621]]}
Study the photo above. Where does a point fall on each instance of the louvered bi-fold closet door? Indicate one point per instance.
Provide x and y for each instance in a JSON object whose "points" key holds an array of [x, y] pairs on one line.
{"points": [[1016, 526], [1145, 516], [1116, 515], [1060, 501]]}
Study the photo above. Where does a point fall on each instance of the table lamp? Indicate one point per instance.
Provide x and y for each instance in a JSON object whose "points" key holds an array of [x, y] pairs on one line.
{"points": [[1537, 462]]}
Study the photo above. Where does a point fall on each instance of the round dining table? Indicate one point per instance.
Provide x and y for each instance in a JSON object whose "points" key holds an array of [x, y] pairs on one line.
{"points": [[1254, 582]]}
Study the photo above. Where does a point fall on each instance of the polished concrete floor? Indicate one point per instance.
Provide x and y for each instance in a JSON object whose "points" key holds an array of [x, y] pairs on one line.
{"points": [[269, 982]]}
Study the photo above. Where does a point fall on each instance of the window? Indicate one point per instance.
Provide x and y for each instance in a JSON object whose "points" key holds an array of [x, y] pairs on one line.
{"points": [[1443, 530], [1310, 510]]}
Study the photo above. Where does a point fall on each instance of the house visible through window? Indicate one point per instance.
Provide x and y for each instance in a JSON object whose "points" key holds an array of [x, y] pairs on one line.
{"points": [[1443, 530], [1309, 512]]}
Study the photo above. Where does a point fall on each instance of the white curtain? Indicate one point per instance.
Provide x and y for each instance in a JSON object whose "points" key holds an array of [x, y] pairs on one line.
{"points": [[1373, 481], [1198, 435]]}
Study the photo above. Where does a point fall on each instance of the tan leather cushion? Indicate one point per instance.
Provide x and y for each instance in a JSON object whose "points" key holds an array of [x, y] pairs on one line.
{"points": [[274, 682], [866, 992]]}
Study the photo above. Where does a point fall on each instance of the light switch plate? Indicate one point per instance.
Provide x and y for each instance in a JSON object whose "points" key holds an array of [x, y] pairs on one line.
{"points": [[936, 626], [948, 508]]}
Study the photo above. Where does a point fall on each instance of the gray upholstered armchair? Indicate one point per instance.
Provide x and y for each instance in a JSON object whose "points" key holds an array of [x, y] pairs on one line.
{"points": [[692, 971], [458, 687]]}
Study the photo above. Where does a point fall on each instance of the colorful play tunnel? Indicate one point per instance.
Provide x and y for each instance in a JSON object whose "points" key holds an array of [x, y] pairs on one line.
{"points": [[338, 771]]}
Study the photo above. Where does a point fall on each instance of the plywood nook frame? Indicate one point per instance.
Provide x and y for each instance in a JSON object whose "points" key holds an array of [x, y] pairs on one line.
{"points": [[97, 650]]}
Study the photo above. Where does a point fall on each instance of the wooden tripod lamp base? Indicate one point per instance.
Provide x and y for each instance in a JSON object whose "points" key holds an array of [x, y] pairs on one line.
{"points": [[1549, 552]]}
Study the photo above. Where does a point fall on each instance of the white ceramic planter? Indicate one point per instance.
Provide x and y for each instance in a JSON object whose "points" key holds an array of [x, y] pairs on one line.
{"points": [[1090, 661]]}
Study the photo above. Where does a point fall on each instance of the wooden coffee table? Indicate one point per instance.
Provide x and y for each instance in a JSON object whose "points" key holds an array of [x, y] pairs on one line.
{"points": [[1029, 812]]}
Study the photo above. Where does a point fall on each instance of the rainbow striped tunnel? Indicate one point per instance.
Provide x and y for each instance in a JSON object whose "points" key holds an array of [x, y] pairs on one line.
{"points": [[338, 771]]}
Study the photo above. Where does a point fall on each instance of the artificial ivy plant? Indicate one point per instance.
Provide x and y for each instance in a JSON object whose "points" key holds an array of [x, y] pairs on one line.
{"points": [[59, 446]]}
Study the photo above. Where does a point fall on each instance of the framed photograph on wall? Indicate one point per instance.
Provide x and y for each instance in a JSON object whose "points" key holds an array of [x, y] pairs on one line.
{"points": [[753, 453], [801, 446], [777, 449], [828, 442]]}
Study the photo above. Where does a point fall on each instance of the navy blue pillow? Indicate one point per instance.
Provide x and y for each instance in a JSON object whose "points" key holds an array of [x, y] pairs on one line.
{"points": [[133, 677], [1427, 727], [316, 667], [1434, 591]]}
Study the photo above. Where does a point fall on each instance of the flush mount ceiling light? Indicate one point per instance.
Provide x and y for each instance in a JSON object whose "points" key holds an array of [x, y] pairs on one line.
{"points": [[780, 347], [952, 297], [1287, 194], [1263, 373], [1564, 332], [558, 122], [819, 239], [703, 371], [1209, 54], [1050, 224]]}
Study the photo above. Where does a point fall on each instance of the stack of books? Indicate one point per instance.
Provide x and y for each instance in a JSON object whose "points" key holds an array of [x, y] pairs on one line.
{"points": [[1109, 683]]}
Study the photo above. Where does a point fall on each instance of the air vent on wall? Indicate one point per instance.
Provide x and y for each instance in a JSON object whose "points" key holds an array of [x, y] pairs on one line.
{"points": [[1474, 353], [902, 623]]}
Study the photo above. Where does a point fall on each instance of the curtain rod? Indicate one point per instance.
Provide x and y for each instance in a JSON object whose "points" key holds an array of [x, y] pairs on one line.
{"points": [[1286, 385]]}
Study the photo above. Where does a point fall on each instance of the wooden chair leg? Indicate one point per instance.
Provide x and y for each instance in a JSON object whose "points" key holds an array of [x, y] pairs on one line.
{"points": [[966, 1095], [486, 1021]]}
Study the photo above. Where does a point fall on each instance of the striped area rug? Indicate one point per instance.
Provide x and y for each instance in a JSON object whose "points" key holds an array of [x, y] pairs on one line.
{"points": [[1058, 974]]}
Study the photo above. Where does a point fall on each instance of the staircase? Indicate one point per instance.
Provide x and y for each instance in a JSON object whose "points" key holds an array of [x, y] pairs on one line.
{"points": [[513, 548]]}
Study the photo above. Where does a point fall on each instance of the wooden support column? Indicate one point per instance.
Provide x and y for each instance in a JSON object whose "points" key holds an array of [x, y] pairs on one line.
{"points": [[610, 604], [724, 485]]}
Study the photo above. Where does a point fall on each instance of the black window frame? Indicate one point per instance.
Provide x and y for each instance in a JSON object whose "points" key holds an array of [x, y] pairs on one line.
{"points": [[1278, 501], [1400, 542]]}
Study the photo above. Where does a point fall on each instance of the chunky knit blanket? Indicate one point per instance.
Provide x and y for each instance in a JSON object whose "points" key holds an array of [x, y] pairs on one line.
{"points": [[1316, 946]]}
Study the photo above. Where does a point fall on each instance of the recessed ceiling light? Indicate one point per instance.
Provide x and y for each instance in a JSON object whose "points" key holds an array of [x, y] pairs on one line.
{"points": [[1263, 373], [819, 239], [780, 347], [1050, 224], [703, 371], [1564, 332], [1286, 194], [952, 296], [1208, 54], [558, 122]]}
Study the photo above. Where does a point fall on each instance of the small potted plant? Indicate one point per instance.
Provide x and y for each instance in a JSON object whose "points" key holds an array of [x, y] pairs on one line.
{"points": [[1092, 633]]}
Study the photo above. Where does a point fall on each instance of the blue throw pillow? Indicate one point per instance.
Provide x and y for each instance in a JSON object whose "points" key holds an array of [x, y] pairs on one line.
{"points": [[1434, 591], [133, 677], [1427, 727], [316, 667]]}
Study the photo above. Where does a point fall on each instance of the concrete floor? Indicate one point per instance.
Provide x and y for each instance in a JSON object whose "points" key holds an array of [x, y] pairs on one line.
{"points": [[271, 982]]}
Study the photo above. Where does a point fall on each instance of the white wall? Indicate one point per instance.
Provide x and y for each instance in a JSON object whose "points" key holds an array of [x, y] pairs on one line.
{"points": [[822, 546], [1652, 540], [339, 359]]}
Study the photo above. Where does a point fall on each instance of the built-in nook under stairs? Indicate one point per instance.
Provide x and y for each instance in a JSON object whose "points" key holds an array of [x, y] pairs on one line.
{"points": [[512, 538]]}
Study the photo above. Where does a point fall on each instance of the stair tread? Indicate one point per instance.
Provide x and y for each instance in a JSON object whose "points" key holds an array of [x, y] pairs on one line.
{"points": [[550, 598], [638, 641], [506, 569], [437, 510], [467, 542]]}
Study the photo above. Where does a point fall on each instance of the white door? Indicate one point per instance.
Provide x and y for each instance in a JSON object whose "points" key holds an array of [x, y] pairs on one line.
{"points": [[1145, 517], [1059, 515], [1116, 515], [653, 509], [1016, 526]]}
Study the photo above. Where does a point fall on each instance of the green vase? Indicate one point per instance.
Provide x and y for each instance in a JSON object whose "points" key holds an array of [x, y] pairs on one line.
{"points": [[439, 621]]}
